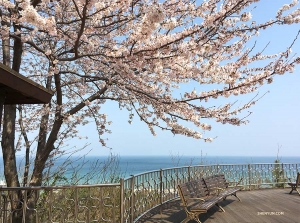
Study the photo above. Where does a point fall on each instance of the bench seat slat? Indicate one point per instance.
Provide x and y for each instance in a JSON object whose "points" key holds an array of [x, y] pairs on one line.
{"points": [[196, 199], [210, 202], [198, 196], [229, 191], [218, 183]]}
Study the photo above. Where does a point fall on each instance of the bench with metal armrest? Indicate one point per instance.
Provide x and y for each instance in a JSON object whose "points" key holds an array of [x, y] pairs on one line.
{"points": [[196, 199], [295, 185], [217, 184]]}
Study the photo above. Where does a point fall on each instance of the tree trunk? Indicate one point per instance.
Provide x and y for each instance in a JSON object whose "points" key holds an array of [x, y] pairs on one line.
{"points": [[8, 149], [8, 132], [9, 160]]}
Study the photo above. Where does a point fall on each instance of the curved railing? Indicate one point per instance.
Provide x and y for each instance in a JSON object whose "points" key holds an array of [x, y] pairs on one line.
{"points": [[129, 199], [148, 190]]}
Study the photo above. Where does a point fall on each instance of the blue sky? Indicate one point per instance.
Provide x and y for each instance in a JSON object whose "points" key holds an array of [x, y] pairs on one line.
{"points": [[275, 121]]}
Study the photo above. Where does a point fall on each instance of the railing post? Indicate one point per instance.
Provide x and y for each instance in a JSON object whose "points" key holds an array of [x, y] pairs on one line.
{"points": [[132, 199], [283, 175], [76, 203], [24, 207], [121, 200], [160, 187], [3, 198], [160, 190], [189, 173], [249, 176]]}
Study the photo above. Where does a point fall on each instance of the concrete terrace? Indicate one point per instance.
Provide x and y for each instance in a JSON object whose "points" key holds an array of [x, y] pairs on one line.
{"points": [[256, 206]]}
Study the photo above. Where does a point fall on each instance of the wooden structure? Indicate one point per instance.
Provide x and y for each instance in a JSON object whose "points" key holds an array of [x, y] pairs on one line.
{"points": [[262, 205], [196, 199], [218, 184], [198, 196], [295, 185], [17, 89]]}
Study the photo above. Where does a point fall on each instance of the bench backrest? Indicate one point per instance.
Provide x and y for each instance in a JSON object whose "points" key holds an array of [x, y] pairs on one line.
{"points": [[216, 181], [192, 189], [298, 179]]}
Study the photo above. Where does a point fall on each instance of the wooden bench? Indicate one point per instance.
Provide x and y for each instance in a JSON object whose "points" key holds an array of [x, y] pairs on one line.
{"points": [[217, 184], [196, 199], [295, 184]]}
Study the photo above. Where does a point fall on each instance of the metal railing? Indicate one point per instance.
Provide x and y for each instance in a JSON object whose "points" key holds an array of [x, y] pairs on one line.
{"points": [[61, 204], [128, 200]]}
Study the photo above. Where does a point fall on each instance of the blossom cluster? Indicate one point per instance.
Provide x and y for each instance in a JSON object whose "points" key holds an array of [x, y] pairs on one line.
{"points": [[164, 61]]}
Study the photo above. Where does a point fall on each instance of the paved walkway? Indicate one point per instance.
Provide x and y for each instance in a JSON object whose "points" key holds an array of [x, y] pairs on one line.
{"points": [[257, 206]]}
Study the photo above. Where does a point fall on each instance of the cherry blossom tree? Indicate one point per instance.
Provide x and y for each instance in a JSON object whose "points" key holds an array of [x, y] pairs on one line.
{"points": [[138, 54]]}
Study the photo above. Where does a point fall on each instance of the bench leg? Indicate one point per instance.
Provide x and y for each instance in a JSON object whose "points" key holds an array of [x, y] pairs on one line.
{"points": [[294, 188], [220, 207], [187, 219], [192, 216], [196, 218], [236, 196], [233, 195]]}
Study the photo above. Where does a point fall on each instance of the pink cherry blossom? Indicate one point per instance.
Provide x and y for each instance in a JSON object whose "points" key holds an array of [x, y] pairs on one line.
{"points": [[159, 60]]}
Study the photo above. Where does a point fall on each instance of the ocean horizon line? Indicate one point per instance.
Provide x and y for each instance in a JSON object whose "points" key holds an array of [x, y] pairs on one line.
{"points": [[198, 156]]}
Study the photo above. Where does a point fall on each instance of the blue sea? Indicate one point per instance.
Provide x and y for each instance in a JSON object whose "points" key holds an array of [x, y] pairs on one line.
{"points": [[133, 165], [138, 164], [98, 169]]}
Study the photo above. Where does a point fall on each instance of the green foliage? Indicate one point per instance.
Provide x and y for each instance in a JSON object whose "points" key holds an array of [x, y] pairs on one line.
{"points": [[278, 174], [73, 171]]}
